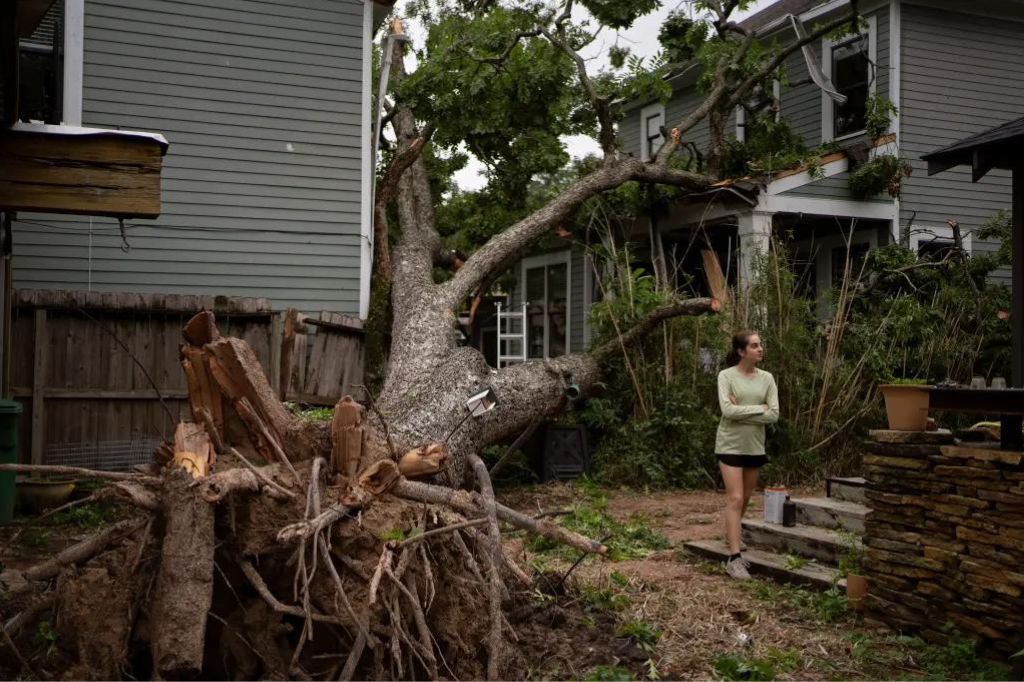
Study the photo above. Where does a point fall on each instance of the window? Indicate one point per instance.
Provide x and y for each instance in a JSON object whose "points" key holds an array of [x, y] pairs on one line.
{"points": [[652, 119], [40, 70], [850, 65], [851, 76], [858, 253], [935, 249], [547, 310]]}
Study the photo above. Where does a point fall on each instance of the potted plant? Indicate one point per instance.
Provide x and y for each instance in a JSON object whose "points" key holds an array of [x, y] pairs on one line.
{"points": [[851, 565], [906, 404]]}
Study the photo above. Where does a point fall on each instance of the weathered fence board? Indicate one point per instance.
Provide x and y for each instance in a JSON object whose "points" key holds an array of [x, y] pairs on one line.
{"points": [[87, 367]]}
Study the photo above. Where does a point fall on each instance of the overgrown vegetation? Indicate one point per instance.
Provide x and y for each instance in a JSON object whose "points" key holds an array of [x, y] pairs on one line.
{"points": [[895, 314], [884, 173]]}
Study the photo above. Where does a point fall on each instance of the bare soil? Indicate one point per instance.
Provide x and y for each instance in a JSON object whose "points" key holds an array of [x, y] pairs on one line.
{"points": [[702, 614], [561, 629]]}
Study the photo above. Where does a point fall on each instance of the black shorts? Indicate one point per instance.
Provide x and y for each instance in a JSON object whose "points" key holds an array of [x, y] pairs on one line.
{"points": [[743, 461]]}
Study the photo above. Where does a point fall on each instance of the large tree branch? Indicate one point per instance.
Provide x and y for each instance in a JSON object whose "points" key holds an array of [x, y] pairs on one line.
{"points": [[636, 333], [719, 91], [386, 190], [503, 248], [601, 103]]}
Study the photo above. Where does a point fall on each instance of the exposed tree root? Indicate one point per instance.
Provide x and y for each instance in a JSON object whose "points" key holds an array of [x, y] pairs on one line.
{"points": [[232, 573]]}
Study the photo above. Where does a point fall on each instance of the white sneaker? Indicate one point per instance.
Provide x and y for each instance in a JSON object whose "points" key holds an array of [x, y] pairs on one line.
{"points": [[737, 568]]}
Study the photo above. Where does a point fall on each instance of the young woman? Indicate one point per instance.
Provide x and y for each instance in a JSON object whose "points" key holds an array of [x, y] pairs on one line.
{"points": [[748, 399]]}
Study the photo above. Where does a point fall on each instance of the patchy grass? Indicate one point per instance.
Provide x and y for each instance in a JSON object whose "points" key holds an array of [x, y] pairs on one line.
{"points": [[829, 606], [747, 667], [633, 538], [312, 414], [714, 627]]}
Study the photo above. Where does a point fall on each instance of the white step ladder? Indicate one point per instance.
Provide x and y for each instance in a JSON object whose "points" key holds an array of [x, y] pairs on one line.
{"points": [[508, 338]]}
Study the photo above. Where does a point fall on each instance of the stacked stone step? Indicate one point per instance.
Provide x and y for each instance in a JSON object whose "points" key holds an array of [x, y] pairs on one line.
{"points": [[945, 537]]}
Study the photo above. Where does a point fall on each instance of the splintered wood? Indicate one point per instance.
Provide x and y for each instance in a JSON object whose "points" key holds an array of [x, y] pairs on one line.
{"points": [[193, 450], [229, 395], [425, 460]]}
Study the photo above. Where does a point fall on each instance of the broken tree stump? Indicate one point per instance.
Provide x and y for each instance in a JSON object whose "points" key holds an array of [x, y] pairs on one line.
{"points": [[347, 437], [184, 586]]}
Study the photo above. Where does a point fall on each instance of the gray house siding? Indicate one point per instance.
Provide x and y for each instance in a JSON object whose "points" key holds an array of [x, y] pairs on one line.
{"points": [[961, 75], [262, 103], [801, 99]]}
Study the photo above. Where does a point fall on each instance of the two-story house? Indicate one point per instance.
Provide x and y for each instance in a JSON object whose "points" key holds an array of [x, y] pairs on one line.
{"points": [[266, 105], [937, 61]]}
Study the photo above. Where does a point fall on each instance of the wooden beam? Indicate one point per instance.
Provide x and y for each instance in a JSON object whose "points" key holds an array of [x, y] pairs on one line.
{"points": [[352, 325], [99, 394], [39, 367], [170, 304], [109, 175]]}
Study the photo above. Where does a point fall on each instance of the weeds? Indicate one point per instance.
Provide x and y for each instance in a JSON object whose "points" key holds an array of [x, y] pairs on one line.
{"points": [[89, 516], [34, 538], [312, 414], [794, 562], [596, 598], [608, 673], [642, 633], [957, 659], [829, 606], [743, 667]]}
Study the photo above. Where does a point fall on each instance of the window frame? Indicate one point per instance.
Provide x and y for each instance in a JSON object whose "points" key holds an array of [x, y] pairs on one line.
{"points": [[827, 104], [646, 114], [544, 260], [920, 235], [741, 113]]}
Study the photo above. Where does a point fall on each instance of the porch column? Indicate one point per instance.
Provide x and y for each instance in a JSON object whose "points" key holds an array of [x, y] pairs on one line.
{"points": [[755, 233]]}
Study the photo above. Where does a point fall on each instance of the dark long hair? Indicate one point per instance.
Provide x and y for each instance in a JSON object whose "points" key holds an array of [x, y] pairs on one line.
{"points": [[739, 342]]}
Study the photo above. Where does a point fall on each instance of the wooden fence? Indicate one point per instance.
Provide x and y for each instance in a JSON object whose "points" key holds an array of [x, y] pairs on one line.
{"points": [[100, 379]]}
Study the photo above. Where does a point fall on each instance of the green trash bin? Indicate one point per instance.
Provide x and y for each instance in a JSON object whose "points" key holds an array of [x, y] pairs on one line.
{"points": [[9, 411]]}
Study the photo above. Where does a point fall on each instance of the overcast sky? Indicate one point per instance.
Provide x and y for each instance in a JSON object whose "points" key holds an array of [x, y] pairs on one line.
{"points": [[641, 39]]}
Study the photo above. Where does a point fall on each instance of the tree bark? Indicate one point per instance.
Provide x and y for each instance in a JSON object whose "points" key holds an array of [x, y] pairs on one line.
{"points": [[184, 587]]}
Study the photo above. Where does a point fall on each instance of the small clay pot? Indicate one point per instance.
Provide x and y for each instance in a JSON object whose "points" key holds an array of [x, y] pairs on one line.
{"points": [[906, 406], [856, 588]]}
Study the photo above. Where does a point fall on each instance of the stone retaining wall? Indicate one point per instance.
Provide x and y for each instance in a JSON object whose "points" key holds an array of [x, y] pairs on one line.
{"points": [[945, 537]]}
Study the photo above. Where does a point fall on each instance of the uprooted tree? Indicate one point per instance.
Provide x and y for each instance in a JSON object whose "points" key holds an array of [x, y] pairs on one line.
{"points": [[268, 542]]}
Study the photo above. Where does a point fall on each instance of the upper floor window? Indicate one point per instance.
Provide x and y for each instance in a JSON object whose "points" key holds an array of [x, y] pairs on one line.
{"points": [[40, 65], [652, 119], [850, 64]]}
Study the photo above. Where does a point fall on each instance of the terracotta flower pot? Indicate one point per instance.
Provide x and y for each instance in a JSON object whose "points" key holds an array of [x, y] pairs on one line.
{"points": [[856, 588], [906, 406]]}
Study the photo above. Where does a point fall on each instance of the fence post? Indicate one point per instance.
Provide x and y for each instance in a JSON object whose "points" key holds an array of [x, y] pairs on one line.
{"points": [[274, 371], [39, 367]]}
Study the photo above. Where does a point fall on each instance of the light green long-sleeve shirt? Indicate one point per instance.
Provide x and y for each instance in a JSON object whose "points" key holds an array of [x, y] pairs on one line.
{"points": [[741, 429]]}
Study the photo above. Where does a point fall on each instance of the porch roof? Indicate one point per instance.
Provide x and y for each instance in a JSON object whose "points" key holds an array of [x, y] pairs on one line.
{"points": [[998, 147]]}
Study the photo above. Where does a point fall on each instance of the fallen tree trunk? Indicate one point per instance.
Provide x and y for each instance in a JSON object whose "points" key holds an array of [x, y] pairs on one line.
{"points": [[309, 539], [184, 586]]}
